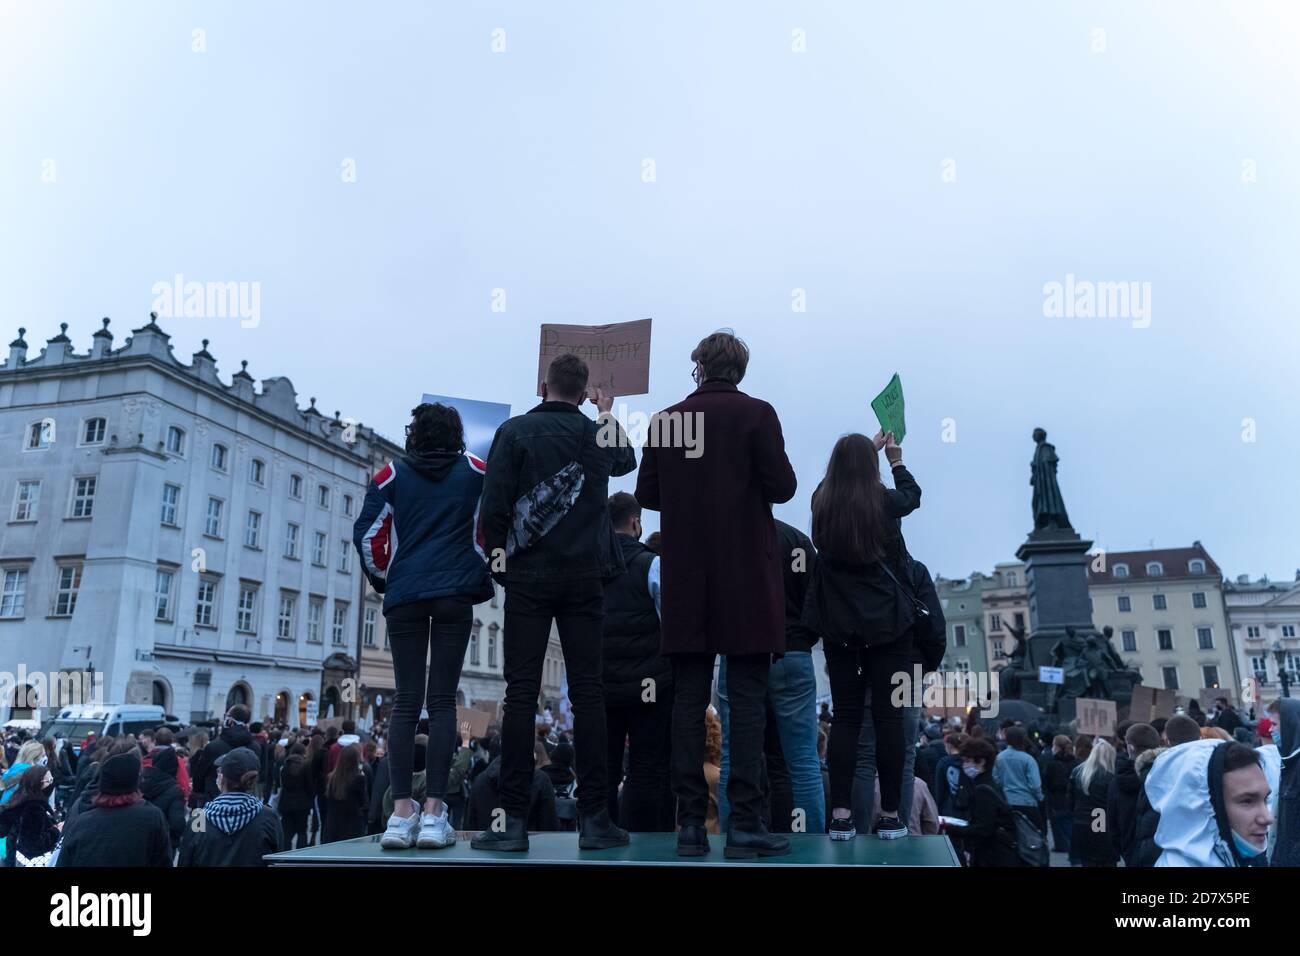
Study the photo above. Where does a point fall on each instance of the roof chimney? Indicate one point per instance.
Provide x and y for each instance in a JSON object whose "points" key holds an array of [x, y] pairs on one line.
{"points": [[1245, 578]]}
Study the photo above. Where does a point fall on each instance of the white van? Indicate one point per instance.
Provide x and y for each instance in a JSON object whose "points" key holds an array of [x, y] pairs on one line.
{"points": [[75, 723]]}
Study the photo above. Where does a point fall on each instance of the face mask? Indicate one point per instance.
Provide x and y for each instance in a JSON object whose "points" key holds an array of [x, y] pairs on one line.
{"points": [[1276, 734], [1245, 849], [971, 772]]}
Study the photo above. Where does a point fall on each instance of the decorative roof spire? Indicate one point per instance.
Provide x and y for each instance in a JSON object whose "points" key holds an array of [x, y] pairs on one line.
{"points": [[19, 342], [62, 336], [153, 326], [311, 410], [243, 371], [104, 333], [204, 353]]}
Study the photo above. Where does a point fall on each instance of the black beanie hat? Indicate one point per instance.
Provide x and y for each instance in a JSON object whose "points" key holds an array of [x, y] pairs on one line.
{"points": [[119, 774]]}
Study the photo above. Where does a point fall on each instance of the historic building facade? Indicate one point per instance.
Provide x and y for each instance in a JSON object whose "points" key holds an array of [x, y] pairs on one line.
{"points": [[963, 609], [1264, 621]]}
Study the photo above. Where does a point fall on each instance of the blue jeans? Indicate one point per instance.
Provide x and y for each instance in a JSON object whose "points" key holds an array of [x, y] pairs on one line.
{"points": [[864, 774], [792, 698]]}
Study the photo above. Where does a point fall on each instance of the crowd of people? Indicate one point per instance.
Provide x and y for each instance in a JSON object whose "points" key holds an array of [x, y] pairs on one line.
{"points": [[723, 604]]}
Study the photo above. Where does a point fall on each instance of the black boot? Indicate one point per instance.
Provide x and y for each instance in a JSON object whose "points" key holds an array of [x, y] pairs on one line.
{"points": [[692, 840], [598, 832], [747, 844], [513, 839]]}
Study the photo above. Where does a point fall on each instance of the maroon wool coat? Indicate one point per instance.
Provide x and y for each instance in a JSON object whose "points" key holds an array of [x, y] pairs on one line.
{"points": [[721, 586]]}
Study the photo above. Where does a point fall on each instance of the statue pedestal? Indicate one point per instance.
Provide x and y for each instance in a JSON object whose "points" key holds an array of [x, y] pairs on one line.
{"points": [[1056, 574]]}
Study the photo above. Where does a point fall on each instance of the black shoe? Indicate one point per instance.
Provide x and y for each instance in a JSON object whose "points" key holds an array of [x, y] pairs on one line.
{"points": [[890, 828], [692, 840], [843, 829], [513, 839], [598, 832], [747, 844]]}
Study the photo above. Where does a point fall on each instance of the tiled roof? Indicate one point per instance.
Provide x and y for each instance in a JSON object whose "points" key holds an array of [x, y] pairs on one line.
{"points": [[1173, 560]]}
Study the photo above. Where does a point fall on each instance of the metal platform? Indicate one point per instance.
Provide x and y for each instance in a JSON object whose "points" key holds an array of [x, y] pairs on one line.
{"points": [[645, 849]]}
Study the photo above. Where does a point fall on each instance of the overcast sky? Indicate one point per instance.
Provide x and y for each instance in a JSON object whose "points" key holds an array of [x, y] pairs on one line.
{"points": [[921, 171]]}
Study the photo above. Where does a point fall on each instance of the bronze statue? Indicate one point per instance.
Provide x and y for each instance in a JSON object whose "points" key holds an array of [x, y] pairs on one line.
{"points": [[1049, 506]]}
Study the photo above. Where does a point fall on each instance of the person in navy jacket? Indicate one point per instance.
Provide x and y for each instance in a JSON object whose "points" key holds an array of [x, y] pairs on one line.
{"points": [[416, 535]]}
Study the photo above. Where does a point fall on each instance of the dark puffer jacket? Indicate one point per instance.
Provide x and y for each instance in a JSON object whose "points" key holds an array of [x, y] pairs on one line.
{"points": [[158, 785], [630, 652]]}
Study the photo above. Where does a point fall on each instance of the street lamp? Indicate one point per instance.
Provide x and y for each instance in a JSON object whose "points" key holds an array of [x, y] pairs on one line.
{"points": [[1279, 655]]}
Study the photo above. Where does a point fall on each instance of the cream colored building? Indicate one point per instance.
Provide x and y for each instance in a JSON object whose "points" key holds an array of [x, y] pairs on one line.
{"points": [[1006, 604], [1167, 608]]}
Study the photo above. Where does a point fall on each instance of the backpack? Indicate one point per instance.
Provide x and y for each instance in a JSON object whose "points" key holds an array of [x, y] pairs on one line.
{"points": [[930, 635], [542, 508]]}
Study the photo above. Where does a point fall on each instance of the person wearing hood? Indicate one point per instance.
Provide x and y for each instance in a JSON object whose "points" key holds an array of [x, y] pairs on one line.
{"points": [[428, 500], [120, 828], [27, 824], [158, 785], [1284, 731], [234, 828], [1125, 790], [203, 766], [1213, 801], [1178, 730]]}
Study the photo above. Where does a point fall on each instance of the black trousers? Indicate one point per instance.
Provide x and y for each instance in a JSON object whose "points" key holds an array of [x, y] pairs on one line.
{"points": [[851, 671], [294, 823], [577, 607], [747, 693], [647, 729], [437, 632]]}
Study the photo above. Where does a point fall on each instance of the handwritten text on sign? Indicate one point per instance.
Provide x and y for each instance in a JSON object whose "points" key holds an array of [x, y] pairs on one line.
{"points": [[617, 356]]}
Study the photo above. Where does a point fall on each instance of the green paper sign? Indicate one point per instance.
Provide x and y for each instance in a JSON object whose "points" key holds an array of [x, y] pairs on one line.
{"points": [[888, 406]]}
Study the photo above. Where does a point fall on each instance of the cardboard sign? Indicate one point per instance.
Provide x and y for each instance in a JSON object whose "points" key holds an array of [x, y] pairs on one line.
{"points": [[1151, 703], [481, 420], [312, 711], [1051, 675], [471, 722], [617, 356], [490, 707], [1207, 696], [888, 406], [1096, 717]]}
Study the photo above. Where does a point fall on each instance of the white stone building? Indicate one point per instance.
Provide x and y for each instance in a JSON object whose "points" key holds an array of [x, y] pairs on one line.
{"points": [[1264, 618]]}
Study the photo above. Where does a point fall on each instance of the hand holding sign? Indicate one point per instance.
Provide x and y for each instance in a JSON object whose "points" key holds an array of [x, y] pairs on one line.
{"points": [[888, 406]]}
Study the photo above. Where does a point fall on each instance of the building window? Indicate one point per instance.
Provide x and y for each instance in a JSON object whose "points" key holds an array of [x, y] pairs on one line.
{"points": [[959, 635], [1288, 630], [83, 497], [284, 621], [92, 431], [1125, 605], [65, 595], [13, 594], [368, 626], [1259, 667], [1155, 569], [473, 644], [1210, 674], [1205, 638], [246, 612], [205, 608], [1196, 566], [315, 615], [170, 499], [318, 550], [1120, 571], [220, 457], [39, 435], [1170, 675], [1012, 579], [340, 623], [253, 530], [291, 533], [492, 645], [1198, 599], [295, 487], [257, 472], [1165, 639], [162, 594], [212, 524], [323, 497], [345, 558], [1130, 641], [1252, 630], [995, 622], [347, 506], [997, 649], [1158, 602], [1020, 619], [176, 440], [26, 499]]}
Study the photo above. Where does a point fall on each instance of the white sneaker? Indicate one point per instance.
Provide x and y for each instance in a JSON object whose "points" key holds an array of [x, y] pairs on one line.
{"points": [[435, 831], [401, 831]]}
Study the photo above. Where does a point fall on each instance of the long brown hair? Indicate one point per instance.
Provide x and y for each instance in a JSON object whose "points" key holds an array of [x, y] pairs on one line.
{"points": [[345, 773], [848, 507]]}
